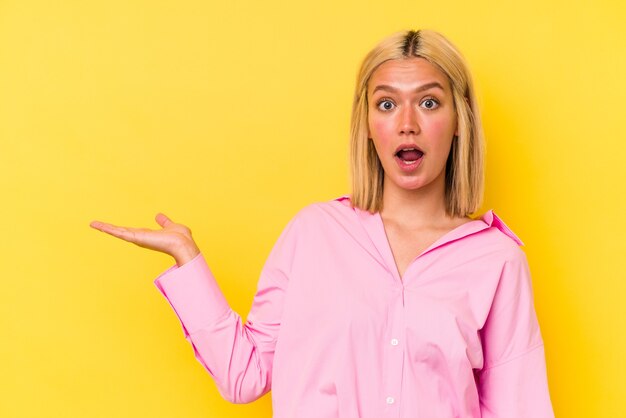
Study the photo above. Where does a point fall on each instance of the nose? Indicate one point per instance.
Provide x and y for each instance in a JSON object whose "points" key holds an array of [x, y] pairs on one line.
{"points": [[408, 123]]}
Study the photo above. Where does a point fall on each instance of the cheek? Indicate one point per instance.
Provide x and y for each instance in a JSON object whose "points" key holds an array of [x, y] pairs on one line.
{"points": [[379, 128], [442, 130]]}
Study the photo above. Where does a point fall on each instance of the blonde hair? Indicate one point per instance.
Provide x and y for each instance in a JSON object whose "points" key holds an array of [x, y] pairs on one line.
{"points": [[464, 168]]}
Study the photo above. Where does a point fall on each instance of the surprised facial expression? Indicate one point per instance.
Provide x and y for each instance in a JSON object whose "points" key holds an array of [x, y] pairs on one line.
{"points": [[412, 121]]}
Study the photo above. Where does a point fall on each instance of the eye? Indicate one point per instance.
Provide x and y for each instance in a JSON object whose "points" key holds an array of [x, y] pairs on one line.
{"points": [[385, 105], [430, 104]]}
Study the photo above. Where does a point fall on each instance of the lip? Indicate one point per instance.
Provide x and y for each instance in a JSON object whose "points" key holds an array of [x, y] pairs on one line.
{"points": [[408, 168], [407, 145]]}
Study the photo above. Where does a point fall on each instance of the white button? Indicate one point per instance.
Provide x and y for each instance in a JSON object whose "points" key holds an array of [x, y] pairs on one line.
{"points": [[394, 342], [390, 400]]}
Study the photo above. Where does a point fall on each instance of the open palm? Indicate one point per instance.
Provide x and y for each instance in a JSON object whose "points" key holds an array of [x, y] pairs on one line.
{"points": [[174, 239]]}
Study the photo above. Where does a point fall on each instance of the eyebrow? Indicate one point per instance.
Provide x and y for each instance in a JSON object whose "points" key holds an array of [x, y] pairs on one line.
{"points": [[417, 90]]}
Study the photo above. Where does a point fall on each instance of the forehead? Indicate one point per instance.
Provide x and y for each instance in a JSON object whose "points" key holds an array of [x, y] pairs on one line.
{"points": [[407, 73]]}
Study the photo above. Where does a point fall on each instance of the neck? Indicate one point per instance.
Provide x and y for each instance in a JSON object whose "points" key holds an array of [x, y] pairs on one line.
{"points": [[415, 209]]}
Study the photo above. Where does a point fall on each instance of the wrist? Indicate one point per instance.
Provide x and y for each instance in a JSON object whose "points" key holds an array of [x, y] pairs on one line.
{"points": [[185, 254]]}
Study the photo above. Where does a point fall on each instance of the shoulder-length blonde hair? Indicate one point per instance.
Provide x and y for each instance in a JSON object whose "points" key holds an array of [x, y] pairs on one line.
{"points": [[464, 168]]}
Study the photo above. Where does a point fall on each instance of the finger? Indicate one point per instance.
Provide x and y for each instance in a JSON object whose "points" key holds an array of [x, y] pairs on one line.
{"points": [[163, 220], [99, 225], [103, 226], [127, 234], [122, 233]]}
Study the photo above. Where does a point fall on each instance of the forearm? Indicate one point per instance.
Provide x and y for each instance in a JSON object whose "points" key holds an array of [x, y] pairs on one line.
{"points": [[239, 357]]}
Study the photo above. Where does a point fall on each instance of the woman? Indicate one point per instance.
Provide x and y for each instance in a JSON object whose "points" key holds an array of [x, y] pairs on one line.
{"points": [[391, 301]]}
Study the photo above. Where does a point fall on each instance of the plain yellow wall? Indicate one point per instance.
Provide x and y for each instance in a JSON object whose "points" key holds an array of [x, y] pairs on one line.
{"points": [[231, 116]]}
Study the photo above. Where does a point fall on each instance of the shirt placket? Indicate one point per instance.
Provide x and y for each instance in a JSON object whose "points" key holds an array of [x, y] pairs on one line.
{"points": [[395, 341]]}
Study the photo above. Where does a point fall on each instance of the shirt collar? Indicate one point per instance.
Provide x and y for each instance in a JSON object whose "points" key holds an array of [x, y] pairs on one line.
{"points": [[375, 229], [491, 219]]}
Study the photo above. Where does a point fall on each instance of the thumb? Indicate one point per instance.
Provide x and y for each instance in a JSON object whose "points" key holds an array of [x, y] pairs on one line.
{"points": [[163, 220]]}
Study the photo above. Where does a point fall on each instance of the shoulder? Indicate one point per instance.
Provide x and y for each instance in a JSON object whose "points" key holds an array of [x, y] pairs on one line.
{"points": [[338, 210], [316, 220]]}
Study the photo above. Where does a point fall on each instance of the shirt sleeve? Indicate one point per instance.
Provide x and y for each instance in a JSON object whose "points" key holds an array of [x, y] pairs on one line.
{"points": [[513, 382], [238, 356]]}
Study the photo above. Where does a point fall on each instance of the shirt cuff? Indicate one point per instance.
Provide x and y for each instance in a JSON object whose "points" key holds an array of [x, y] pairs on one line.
{"points": [[194, 294]]}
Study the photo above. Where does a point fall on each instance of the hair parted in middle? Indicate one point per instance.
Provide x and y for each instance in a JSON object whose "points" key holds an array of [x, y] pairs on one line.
{"points": [[464, 180]]}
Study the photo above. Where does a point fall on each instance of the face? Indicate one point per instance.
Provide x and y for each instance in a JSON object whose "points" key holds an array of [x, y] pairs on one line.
{"points": [[411, 107]]}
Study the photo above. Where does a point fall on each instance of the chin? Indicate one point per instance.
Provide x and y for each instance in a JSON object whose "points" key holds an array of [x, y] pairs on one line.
{"points": [[410, 185]]}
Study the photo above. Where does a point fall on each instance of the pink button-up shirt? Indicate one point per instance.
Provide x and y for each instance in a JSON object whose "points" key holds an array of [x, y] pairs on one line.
{"points": [[334, 332]]}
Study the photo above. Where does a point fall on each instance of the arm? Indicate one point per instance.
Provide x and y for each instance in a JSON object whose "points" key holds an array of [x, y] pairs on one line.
{"points": [[238, 356], [513, 382]]}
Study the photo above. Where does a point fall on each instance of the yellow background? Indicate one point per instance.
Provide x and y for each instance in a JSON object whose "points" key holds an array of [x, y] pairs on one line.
{"points": [[231, 116]]}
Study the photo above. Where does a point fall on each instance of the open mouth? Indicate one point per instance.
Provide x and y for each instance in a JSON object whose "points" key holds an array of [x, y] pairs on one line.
{"points": [[409, 155]]}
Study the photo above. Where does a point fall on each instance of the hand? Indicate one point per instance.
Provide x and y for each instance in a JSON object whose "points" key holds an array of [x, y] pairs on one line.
{"points": [[173, 239]]}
